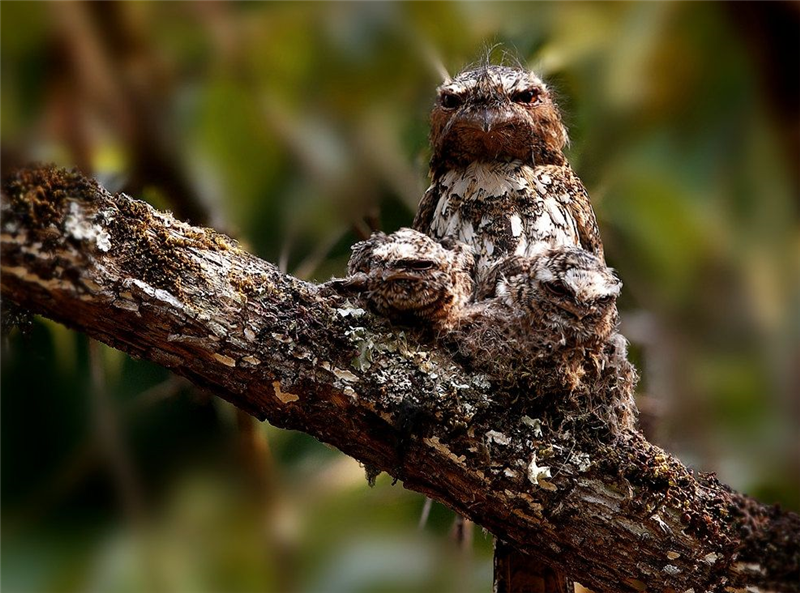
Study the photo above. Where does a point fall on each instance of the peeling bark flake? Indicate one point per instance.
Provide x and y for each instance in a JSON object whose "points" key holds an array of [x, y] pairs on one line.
{"points": [[226, 360], [284, 397]]}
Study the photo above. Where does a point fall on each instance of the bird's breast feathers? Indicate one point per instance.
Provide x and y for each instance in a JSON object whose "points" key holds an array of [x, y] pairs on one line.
{"points": [[504, 207]]}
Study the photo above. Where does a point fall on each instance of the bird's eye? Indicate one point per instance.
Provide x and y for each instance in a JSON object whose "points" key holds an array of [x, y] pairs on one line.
{"points": [[604, 300], [556, 289], [450, 100], [415, 264], [528, 96]]}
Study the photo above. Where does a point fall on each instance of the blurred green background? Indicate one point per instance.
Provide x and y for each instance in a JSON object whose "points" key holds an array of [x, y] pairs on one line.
{"points": [[298, 128]]}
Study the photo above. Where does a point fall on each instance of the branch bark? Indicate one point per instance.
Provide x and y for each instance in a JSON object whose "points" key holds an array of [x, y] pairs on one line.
{"points": [[619, 514]]}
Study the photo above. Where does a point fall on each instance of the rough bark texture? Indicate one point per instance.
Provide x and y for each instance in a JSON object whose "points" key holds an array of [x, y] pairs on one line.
{"points": [[619, 514]]}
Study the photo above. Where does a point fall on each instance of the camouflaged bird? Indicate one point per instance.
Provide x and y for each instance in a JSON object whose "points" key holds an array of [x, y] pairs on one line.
{"points": [[549, 322], [409, 277], [564, 296], [499, 179]]}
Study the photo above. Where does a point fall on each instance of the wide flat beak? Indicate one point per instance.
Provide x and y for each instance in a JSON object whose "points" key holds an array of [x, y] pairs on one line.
{"points": [[485, 118], [398, 275], [576, 310]]}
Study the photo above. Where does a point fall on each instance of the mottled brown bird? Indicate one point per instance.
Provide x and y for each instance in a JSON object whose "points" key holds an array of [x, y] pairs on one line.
{"points": [[564, 296], [499, 178], [409, 277], [549, 322]]}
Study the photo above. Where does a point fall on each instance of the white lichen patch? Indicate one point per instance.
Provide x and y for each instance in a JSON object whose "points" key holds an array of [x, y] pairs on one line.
{"points": [[249, 334], [251, 360], [582, 461], [285, 397], [79, 228], [510, 473], [494, 436], [370, 345], [481, 381], [672, 570], [354, 312], [534, 423], [710, 558], [536, 472], [226, 360], [661, 524]]}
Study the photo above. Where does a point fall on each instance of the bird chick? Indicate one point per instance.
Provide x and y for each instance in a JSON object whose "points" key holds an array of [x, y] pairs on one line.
{"points": [[409, 277], [565, 294], [560, 304]]}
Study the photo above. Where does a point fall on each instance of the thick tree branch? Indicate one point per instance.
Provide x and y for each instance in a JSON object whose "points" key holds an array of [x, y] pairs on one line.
{"points": [[619, 514]]}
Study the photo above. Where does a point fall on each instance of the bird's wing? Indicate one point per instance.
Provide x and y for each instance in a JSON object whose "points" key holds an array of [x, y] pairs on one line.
{"points": [[427, 206], [580, 207]]}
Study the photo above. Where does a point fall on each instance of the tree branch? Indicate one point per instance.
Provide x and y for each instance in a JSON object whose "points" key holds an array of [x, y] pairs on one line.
{"points": [[619, 514]]}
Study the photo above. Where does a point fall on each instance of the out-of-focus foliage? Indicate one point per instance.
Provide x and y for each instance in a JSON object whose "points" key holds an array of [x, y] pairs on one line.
{"points": [[297, 128]]}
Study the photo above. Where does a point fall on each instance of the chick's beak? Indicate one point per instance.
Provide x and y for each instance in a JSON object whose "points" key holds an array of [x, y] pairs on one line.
{"points": [[394, 275], [577, 310]]}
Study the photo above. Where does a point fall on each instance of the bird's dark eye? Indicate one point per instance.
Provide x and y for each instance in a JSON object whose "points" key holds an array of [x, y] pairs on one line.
{"points": [[604, 300], [415, 264], [556, 289], [527, 96], [450, 100]]}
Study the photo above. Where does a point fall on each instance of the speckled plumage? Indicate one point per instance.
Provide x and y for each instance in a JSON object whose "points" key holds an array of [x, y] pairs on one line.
{"points": [[499, 179], [549, 322], [562, 296], [407, 276]]}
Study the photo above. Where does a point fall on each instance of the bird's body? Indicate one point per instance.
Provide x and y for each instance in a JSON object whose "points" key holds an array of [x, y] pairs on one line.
{"points": [[409, 277], [563, 298], [499, 179], [505, 208]]}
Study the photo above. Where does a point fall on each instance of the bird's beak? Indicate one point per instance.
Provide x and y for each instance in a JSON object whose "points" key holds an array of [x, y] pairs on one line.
{"points": [[393, 276], [491, 117], [485, 119], [576, 310]]}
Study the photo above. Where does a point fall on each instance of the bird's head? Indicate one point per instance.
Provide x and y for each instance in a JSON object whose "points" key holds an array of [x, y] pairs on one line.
{"points": [[496, 113], [566, 290], [411, 273]]}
